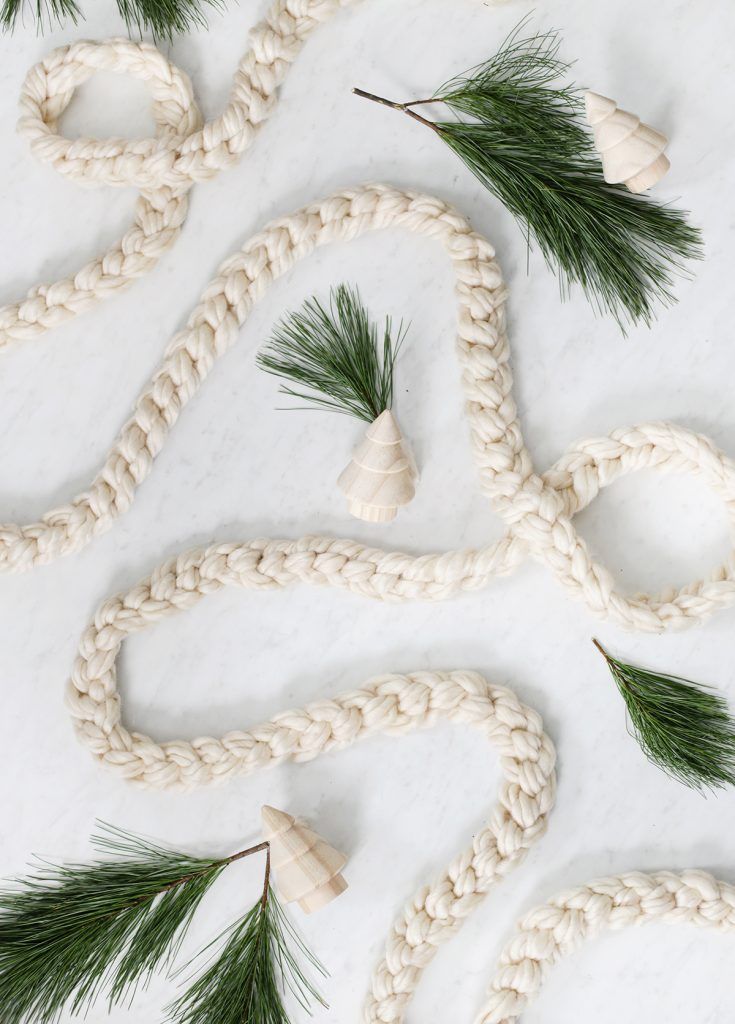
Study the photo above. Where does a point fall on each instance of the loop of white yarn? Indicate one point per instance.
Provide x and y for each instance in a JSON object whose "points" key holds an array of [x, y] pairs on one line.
{"points": [[163, 168], [537, 509]]}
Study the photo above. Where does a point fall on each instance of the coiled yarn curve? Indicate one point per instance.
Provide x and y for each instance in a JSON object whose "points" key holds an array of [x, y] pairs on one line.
{"points": [[537, 509], [163, 168]]}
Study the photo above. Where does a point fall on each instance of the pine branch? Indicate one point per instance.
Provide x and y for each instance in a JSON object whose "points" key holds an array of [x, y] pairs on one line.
{"points": [[165, 18], [162, 18], [335, 354], [68, 933], [44, 12], [522, 134], [245, 984], [683, 728]]}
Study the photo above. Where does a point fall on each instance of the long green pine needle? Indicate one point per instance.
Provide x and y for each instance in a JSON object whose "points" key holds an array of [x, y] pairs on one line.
{"points": [[45, 12], [70, 932], [245, 983]]}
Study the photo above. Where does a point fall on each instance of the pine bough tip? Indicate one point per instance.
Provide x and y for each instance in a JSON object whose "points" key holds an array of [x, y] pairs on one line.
{"points": [[682, 727]]}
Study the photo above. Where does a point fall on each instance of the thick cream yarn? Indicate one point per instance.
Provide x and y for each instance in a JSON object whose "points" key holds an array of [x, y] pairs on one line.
{"points": [[557, 928], [537, 509]]}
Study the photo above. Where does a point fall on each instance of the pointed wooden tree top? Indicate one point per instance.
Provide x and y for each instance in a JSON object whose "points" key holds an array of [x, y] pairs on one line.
{"points": [[275, 822], [598, 107], [307, 868], [384, 429]]}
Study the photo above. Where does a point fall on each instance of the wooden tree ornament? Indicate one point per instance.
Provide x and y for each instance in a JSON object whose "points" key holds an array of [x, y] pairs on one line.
{"points": [[307, 869], [380, 477], [632, 152]]}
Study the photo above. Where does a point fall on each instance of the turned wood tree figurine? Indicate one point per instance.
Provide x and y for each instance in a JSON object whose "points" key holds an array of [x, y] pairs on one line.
{"points": [[379, 478], [307, 869], [631, 152], [335, 354]]}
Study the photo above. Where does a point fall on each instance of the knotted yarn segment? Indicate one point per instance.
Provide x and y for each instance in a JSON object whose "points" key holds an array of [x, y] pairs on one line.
{"points": [[561, 925]]}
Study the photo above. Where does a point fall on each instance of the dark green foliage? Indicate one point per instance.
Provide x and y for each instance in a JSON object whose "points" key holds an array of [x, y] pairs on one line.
{"points": [[683, 728], [68, 933], [335, 354], [163, 18], [42, 11], [522, 134], [71, 933], [244, 985]]}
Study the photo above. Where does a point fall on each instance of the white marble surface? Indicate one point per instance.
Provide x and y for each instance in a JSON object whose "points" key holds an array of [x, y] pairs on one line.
{"points": [[235, 467]]}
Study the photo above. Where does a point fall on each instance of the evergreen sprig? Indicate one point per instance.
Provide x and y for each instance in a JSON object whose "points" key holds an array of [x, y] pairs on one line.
{"points": [[522, 134], [336, 355], [68, 932], [73, 932], [682, 727], [163, 18], [245, 984], [44, 11]]}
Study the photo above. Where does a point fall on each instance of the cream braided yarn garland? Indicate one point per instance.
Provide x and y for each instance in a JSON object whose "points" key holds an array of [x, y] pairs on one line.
{"points": [[537, 509], [394, 704]]}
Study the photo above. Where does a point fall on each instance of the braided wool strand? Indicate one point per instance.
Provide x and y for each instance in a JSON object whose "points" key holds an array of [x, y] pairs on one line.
{"points": [[560, 926], [537, 509]]}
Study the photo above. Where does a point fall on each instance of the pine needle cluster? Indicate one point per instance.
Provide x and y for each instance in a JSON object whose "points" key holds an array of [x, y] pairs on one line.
{"points": [[336, 355], [522, 134], [682, 727], [245, 983], [162, 18], [45, 12], [72, 933]]}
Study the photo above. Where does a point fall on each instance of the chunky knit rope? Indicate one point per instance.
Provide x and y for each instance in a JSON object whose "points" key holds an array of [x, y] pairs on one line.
{"points": [[561, 925], [394, 704], [537, 509]]}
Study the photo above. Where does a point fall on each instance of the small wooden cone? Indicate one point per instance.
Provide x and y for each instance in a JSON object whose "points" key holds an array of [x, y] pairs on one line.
{"points": [[631, 152], [307, 869], [380, 477]]}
